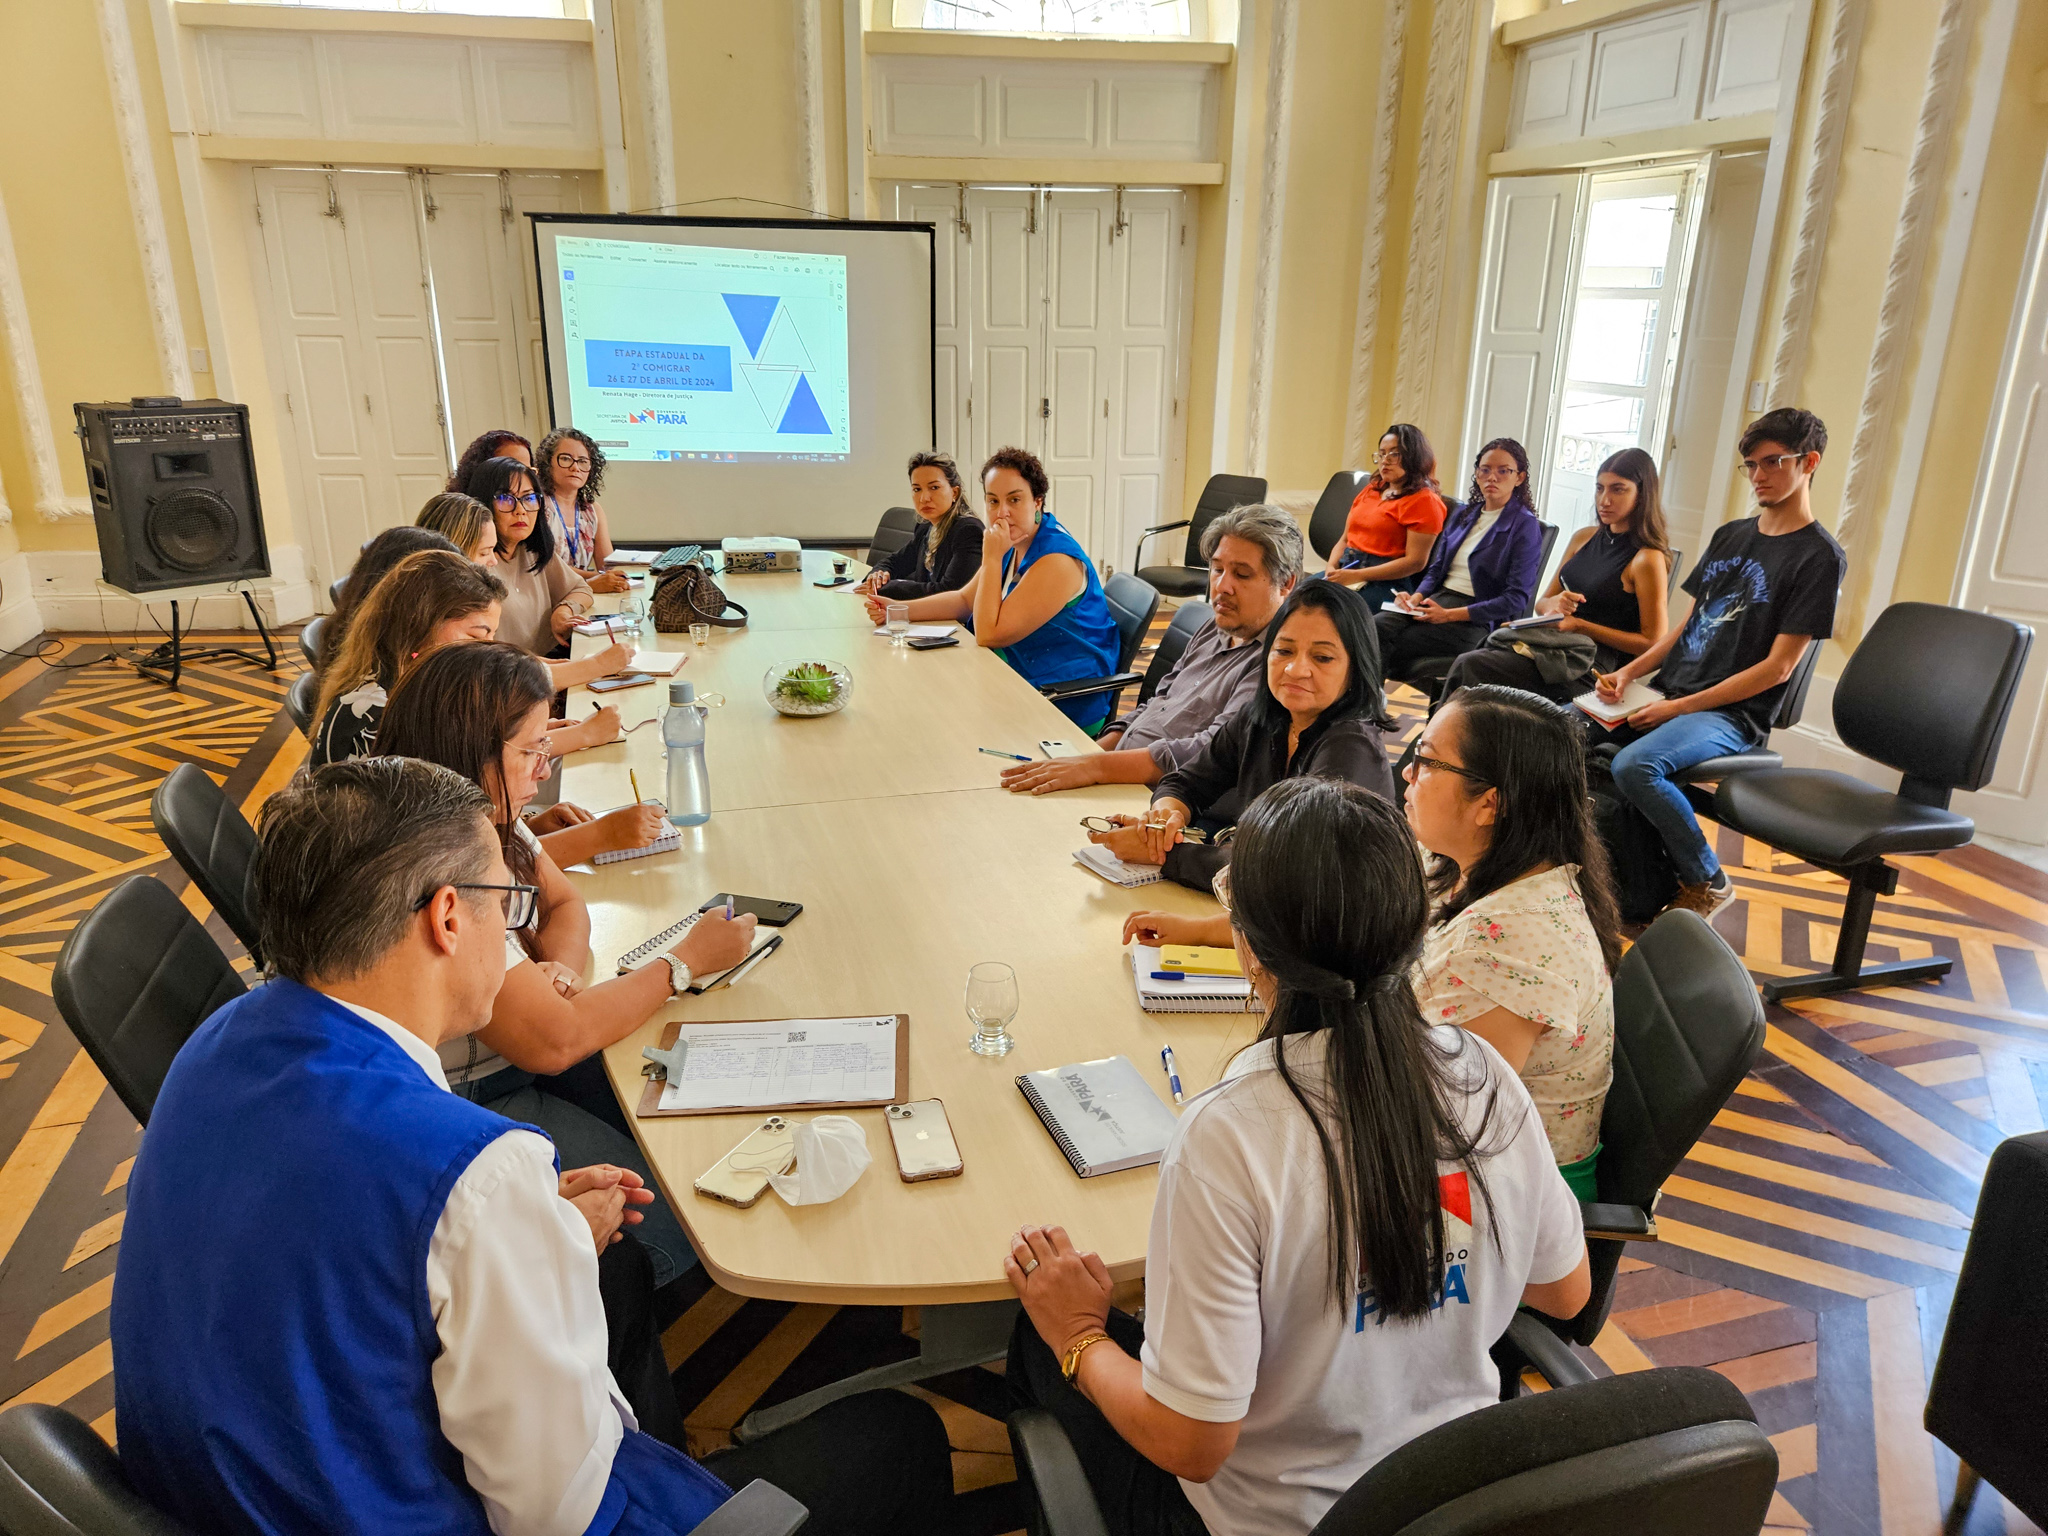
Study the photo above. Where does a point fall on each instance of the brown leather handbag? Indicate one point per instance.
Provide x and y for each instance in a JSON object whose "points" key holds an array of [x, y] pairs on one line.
{"points": [[688, 595]]}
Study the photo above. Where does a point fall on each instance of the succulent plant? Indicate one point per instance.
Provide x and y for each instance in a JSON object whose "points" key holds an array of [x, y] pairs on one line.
{"points": [[809, 682]]}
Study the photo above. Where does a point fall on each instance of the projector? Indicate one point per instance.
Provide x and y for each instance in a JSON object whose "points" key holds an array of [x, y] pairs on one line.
{"points": [[751, 556]]}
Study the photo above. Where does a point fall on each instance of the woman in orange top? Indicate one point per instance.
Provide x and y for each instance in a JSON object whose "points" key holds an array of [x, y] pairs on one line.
{"points": [[1394, 521]]}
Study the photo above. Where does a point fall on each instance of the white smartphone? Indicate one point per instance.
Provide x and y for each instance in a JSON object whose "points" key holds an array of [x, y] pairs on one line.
{"points": [[741, 1176], [1059, 749], [923, 1138]]}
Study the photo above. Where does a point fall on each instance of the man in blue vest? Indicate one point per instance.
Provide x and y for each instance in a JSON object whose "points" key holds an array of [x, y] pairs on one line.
{"points": [[350, 1301]]}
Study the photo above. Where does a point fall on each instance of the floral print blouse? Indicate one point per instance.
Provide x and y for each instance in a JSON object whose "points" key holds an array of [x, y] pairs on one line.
{"points": [[1530, 948]]}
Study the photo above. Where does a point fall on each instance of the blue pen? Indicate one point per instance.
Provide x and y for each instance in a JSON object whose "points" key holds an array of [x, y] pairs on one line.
{"points": [[1172, 1072], [1169, 975], [1015, 757]]}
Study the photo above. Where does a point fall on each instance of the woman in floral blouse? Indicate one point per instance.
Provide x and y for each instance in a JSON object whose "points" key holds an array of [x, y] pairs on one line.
{"points": [[1527, 933]]}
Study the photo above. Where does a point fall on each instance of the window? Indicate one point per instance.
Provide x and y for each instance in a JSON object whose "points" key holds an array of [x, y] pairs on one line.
{"points": [[1064, 18], [555, 9]]}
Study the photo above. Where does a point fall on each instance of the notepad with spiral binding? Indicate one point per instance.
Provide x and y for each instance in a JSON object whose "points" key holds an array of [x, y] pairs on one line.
{"points": [[1098, 860], [668, 842], [1192, 994], [1102, 1114]]}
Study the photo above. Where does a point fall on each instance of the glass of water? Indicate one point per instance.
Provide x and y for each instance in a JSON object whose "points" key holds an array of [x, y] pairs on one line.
{"points": [[991, 1005], [632, 613], [700, 634], [897, 616]]}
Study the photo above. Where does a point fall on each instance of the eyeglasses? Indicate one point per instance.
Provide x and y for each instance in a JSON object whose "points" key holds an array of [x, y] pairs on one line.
{"points": [[1489, 472], [1770, 463], [521, 902], [1188, 834], [544, 760], [1422, 762], [505, 501], [570, 461], [1388, 453]]}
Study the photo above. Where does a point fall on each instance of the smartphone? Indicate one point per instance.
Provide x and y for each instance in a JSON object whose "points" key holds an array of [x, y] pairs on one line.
{"points": [[1059, 749], [837, 581], [771, 914], [614, 684], [923, 1137], [741, 1176], [931, 642]]}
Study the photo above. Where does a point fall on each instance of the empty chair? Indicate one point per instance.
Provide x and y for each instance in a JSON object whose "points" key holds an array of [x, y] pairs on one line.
{"points": [[1191, 577], [1926, 694], [58, 1478], [1333, 510], [133, 981], [310, 638], [212, 842], [896, 529], [1985, 1400], [1132, 603], [300, 698]]}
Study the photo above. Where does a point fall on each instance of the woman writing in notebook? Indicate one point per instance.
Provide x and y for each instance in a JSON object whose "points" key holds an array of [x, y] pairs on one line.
{"points": [[482, 710], [1360, 1186]]}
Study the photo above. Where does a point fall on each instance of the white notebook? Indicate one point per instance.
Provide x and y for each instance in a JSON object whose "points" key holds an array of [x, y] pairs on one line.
{"points": [[921, 631], [1098, 860], [657, 663], [1103, 1114], [1535, 621], [1633, 698], [1192, 994], [632, 959], [668, 842]]}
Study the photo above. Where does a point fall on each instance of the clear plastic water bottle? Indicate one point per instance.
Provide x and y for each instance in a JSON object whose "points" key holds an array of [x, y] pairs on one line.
{"points": [[682, 733]]}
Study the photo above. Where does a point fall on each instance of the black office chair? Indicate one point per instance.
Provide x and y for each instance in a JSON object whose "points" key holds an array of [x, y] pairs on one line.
{"points": [[1132, 603], [1429, 674], [896, 529], [1333, 510], [310, 637], [300, 698], [1699, 780], [334, 590], [1187, 618], [1985, 1401], [1191, 577], [212, 843], [1675, 1450], [133, 981], [1927, 693]]}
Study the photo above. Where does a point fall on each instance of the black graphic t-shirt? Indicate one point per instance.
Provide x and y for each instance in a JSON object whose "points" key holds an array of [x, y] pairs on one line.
{"points": [[1748, 589]]}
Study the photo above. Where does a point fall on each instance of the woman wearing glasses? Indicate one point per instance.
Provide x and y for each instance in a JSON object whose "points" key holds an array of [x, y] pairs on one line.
{"points": [[1394, 520], [482, 710], [1317, 714], [572, 469]]}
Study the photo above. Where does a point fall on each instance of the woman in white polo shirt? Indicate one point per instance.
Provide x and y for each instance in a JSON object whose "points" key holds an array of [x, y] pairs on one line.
{"points": [[1344, 1225]]}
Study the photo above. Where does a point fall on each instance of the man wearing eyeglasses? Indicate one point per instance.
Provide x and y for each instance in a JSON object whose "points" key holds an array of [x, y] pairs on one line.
{"points": [[1765, 588], [351, 1300]]}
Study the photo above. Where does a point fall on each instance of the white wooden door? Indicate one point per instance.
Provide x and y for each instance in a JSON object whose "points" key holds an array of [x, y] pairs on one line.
{"points": [[475, 290], [1523, 283], [1143, 453], [538, 192], [1078, 343], [940, 208], [1006, 259]]}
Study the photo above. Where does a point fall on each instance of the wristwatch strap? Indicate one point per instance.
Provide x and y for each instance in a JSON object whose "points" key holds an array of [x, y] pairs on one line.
{"points": [[679, 976]]}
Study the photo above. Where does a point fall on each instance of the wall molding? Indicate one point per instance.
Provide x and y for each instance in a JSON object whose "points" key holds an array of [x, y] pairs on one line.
{"points": [[1817, 200], [810, 95], [145, 202], [657, 127], [1898, 311], [63, 586], [1422, 286], [45, 480], [19, 621], [1365, 331], [1272, 230], [1230, 275]]}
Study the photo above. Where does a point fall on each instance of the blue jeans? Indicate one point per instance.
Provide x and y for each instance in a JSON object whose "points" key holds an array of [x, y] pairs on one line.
{"points": [[1643, 770]]}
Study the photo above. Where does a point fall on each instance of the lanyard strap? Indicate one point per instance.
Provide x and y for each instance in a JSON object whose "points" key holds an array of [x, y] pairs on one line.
{"points": [[570, 530]]}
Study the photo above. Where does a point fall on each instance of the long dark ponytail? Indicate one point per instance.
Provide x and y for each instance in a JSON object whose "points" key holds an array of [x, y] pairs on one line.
{"points": [[1328, 895]]}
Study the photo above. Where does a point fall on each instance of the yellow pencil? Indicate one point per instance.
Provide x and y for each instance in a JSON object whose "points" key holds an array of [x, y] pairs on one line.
{"points": [[634, 779]]}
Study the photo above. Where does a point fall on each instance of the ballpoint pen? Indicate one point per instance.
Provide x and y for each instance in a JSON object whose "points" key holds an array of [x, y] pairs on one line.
{"points": [[1015, 757], [1169, 975], [1172, 1072], [634, 779]]}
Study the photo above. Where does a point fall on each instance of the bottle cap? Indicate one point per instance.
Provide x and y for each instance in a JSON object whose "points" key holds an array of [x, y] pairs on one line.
{"points": [[682, 691]]}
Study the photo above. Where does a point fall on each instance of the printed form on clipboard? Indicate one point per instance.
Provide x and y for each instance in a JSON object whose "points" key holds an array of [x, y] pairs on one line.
{"points": [[771, 1063]]}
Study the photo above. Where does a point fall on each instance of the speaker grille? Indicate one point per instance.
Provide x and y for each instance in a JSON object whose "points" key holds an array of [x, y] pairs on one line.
{"points": [[191, 530]]}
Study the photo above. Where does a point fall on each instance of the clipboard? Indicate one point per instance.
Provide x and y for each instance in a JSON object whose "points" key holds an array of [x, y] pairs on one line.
{"points": [[650, 1097]]}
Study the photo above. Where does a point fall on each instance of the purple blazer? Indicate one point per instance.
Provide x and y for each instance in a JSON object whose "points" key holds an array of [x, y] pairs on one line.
{"points": [[1504, 566]]}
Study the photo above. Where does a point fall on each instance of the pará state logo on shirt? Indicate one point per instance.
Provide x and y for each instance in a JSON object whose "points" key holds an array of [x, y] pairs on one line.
{"points": [[1454, 1195]]}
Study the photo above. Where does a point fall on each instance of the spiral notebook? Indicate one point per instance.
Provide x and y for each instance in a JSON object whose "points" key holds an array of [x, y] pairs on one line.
{"points": [[1104, 1116], [668, 842], [1098, 860], [1192, 994]]}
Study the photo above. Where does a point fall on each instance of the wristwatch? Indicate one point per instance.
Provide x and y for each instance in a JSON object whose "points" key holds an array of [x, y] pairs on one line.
{"points": [[679, 977]]}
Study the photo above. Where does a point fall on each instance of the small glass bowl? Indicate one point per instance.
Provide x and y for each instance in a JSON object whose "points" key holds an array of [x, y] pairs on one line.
{"points": [[815, 687]]}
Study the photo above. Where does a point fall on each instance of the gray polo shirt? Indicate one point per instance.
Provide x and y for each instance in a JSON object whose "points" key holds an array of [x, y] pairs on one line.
{"points": [[1212, 681]]}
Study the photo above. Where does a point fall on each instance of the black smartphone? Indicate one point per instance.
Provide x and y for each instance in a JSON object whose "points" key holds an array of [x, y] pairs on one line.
{"points": [[837, 581], [772, 914], [931, 642]]}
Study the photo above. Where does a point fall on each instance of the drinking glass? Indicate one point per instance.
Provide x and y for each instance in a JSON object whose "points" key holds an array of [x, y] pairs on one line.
{"points": [[991, 1004], [701, 633], [898, 617], [632, 614], [839, 565]]}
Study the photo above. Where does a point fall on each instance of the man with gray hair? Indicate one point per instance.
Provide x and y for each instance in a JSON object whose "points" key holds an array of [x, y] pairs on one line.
{"points": [[1254, 555]]}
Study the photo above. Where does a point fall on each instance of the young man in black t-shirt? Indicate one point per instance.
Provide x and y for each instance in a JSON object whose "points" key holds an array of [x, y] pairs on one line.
{"points": [[1765, 587]]}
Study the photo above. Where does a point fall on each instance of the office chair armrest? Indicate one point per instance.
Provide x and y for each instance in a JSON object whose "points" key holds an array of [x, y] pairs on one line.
{"points": [[759, 1509], [1623, 1223], [1138, 554], [1552, 1357], [1080, 688], [1053, 1473]]}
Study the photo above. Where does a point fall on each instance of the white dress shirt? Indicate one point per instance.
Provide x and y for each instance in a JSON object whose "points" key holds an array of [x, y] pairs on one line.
{"points": [[522, 1382]]}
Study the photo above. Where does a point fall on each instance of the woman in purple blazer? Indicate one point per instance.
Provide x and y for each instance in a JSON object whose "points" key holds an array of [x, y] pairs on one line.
{"points": [[1482, 572]]}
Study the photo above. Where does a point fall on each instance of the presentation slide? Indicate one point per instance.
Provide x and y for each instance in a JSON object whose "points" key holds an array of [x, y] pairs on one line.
{"points": [[743, 376]]}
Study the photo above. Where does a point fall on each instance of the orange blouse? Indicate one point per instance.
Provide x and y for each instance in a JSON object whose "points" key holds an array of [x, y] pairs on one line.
{"points": [[1380, 528]]}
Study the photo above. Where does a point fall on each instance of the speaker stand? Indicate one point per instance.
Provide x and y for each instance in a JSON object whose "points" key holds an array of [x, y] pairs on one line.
{"points": [[172, 652]]}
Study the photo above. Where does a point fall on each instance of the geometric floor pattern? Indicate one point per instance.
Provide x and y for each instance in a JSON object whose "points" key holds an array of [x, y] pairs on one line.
{"points": [[1809, 1245]]}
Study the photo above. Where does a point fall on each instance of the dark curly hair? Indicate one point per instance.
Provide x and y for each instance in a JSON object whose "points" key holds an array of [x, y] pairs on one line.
{"points": [[485, 446], [544, 461], [1025, 464], [1515, 451]]}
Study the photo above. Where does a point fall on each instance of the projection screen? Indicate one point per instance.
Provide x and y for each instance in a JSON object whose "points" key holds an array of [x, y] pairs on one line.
{"points": [[743, 376]]}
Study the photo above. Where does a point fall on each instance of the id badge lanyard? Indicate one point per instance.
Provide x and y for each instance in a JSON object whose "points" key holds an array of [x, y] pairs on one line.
{"points": [[569, 532]]}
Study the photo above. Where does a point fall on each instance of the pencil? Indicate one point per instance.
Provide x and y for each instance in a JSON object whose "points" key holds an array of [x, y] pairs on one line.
{"points": [[634, 779]]}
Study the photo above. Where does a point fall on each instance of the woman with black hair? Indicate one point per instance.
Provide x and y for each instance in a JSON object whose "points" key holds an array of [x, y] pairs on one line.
{"points": [[1394, 519], [544, 598], [1317, 714], [1482, 573], [1344, 1224], [945, 551], [1526, 931], [571, 468]]}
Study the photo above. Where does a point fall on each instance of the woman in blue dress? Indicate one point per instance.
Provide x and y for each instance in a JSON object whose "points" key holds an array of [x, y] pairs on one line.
{"points": [[1036, 601]]}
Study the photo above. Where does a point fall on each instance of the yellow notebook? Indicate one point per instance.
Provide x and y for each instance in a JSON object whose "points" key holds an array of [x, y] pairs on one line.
{"points": [[1199, 960]]}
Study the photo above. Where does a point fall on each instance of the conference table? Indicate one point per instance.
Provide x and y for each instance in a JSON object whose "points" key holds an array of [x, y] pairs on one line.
{"points": [[912, 864]]}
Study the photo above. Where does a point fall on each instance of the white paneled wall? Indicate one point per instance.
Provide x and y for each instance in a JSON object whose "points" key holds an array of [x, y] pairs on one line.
{"points": [[1026, 108]]}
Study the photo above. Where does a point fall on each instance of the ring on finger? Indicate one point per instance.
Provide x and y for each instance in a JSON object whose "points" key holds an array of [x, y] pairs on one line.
{"points": [[1029, 1265]]}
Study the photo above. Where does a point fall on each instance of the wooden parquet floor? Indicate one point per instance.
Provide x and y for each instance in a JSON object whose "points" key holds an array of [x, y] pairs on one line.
{"points": [[1810, 1243]]}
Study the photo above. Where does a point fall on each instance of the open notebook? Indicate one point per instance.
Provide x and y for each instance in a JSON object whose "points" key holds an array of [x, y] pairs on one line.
{"points": [[1098, 860], [1633, 698]]}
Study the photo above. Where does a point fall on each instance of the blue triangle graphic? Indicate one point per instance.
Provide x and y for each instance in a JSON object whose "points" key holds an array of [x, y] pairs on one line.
{"points": [[751, 312], [804, 414]]}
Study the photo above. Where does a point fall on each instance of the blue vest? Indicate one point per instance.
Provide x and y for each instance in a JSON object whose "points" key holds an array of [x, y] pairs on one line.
{"points": [[1079, 641], [273, 1343]]}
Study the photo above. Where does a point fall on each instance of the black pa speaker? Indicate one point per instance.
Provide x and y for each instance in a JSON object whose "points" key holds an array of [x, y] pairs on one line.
{"points": [[173, 492]]}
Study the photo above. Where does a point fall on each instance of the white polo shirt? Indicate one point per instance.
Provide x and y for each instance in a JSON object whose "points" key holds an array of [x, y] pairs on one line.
{"points": [[1239, 1322]]}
